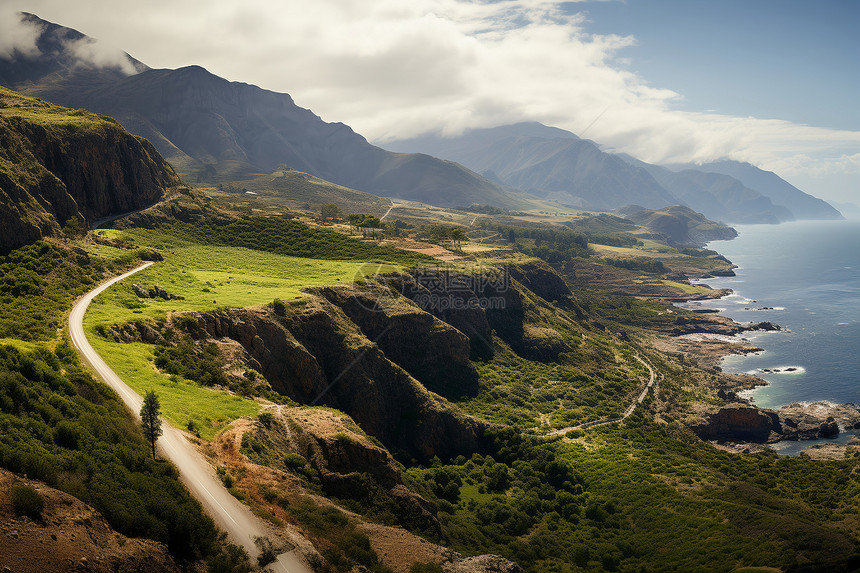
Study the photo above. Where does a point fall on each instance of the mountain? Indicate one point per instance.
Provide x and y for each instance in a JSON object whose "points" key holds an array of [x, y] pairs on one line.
{"points": [[548, 162], [68, 56], [203, 123], [781, 192], [58, 164], [717, 196]]}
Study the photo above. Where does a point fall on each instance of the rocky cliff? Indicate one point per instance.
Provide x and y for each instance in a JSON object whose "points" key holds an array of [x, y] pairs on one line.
{"points": [[745, 423], [348, 463], [59, 164], [315, 354]]}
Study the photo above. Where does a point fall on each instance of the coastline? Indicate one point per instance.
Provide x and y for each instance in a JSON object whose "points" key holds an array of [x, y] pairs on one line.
{"points": [[827, 430]]}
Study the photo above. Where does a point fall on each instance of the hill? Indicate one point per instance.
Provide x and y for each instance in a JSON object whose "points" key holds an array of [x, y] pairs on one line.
{"points": [[206, 125], [680, 225], [58, 165]]}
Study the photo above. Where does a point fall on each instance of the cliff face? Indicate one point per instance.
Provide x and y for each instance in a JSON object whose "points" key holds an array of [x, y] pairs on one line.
{"points": [[58, 164], [439, 356], [350, 466], [316, 355]]}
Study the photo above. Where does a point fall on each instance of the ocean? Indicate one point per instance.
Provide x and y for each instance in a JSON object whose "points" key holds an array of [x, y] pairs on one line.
{"points": [[805, 277]]}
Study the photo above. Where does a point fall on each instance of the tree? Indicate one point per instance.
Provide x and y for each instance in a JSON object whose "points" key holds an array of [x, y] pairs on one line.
{"points": [[150, 419], [458, 236], [330, 211]]}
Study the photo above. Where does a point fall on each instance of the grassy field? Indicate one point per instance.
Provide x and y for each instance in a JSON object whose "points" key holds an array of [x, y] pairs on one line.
{"points": [[206, 278], [182, 401]]}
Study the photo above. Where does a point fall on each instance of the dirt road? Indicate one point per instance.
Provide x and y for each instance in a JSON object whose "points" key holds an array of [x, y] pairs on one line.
{"points": [[630, 409], [198, 476]]}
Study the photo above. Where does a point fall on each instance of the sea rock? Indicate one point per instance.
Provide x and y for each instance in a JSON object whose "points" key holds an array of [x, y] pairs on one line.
{"points": [[766, 325], [739, 423], [817, 420]]}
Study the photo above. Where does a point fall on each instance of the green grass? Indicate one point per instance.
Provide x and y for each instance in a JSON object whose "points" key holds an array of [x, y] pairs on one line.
{"points": [[181, 400], [215, 277], [21, 345], [686, 287], [207, 278], [35, 110]]}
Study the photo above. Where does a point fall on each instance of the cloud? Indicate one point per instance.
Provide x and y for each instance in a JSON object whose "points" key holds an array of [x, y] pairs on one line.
{"points": [[16, 35], [93, 53], [394, 69]]}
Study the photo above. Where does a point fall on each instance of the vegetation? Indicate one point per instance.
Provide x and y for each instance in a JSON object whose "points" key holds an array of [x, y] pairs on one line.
{"points": [[38, 284], [290, 238], [639, 264], [343, 546], [593, 380], [641, 497], [330, 211], [26, 501], [150, 418], [58, 425]]}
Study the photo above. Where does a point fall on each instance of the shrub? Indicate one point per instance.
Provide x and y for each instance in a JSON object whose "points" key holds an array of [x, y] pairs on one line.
{"points": [[27, 501], [279, 307], [267, 551], [294, 462]]}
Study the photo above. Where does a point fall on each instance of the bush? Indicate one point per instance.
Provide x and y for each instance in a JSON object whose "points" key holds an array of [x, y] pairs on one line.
{"points": [[267, 551], [27, 501], [294, 462], [279, 307]]}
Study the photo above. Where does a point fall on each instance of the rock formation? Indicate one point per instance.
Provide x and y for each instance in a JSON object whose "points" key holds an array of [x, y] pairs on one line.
{"points": [[59, 164]]}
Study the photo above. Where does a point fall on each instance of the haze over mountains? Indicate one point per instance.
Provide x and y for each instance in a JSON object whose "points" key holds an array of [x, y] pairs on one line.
{"points": [[558, 165], [213, 129]]}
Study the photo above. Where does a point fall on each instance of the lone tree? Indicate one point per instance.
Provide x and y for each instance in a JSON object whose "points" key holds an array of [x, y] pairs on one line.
{"points": [[330, 211], [150, 419], [457, 235]]}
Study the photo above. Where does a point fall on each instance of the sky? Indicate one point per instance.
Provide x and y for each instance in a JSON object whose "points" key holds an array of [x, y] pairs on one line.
{"points": [[772, 82]]}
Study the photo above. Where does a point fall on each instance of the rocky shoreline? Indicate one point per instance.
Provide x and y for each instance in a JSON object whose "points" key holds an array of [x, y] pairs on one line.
{"points": [[738, 425], [742, 422]]}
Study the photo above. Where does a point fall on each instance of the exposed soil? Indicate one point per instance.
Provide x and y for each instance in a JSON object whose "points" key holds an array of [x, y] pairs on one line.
{"points": [[70, 536]]}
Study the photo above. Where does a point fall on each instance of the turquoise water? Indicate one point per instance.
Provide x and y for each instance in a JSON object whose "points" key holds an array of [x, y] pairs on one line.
{"points": [[804, 276]]}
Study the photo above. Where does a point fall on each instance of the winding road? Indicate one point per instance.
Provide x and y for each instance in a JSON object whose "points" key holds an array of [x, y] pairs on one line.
{"points": [[198, 476], [627, 413]]}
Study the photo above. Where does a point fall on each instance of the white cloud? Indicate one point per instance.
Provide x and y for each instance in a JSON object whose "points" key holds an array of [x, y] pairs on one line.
{"points": [[93, 53], [394, 69], [17, 35]]}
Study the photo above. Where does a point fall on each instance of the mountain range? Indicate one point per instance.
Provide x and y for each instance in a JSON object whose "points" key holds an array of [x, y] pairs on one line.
{"points": [[557, 165], [215, 130], [205, 124]]}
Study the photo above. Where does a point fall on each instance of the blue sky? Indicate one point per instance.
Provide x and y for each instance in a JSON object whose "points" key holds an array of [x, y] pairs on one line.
{"points": [[771, 82], [797, 60]]}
